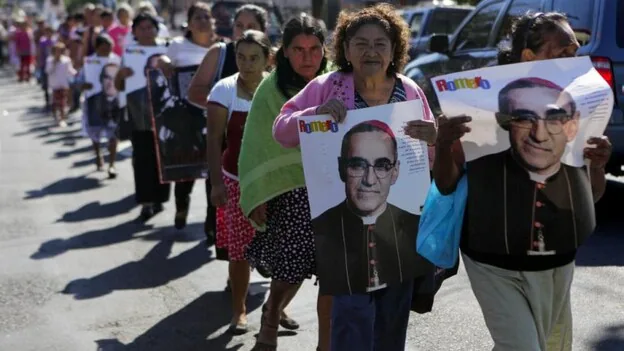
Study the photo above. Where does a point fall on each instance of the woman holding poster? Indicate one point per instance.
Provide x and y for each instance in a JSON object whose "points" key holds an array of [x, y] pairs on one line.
{"points": [[100, 118], [276, 197], [149, 192], [527, 212], [228, 104], [186, 53], [370, 48]]}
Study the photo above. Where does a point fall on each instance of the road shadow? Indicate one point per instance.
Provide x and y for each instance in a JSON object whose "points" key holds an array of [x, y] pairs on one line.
{"points": [[189, 328], [68, 153], [43, 128], [612, 339], [65, 186], [95, 238], [156, 269], [605, 246], [98, 210], [91, 161]]}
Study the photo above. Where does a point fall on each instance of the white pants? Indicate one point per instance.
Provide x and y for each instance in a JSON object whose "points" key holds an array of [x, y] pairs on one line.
{"points": [[524, 311]]}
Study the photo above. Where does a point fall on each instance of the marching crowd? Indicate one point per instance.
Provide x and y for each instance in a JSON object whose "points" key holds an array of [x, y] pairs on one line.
{"points": [[256, 198]]}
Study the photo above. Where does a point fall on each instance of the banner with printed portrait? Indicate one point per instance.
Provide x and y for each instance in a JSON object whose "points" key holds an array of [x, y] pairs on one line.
{"points": [[140, 59], [531, 123], [102, 99], [568, 94], [366, 182], [180, 130]]}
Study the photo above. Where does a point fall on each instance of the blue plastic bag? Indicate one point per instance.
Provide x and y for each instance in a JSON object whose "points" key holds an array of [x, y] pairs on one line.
{"points": [[441, 223]]}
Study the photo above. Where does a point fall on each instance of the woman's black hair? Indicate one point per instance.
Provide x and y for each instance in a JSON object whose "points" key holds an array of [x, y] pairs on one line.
{"points": [[104, 38], [143, 16], [198, 6], [530, 31], [258, 12], [287, 79], [256, 37]]}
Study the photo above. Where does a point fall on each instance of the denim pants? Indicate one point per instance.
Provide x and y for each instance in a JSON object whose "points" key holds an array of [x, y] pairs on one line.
{"points": [[376, 321]]}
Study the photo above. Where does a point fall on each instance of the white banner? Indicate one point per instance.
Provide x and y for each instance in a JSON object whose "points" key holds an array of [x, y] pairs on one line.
{"points": [[102, 100], [568, 95], [139, 59], [366, 182]]}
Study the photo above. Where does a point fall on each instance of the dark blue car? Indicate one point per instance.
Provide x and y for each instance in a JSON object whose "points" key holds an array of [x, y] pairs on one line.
{"points": [[598, 24]]}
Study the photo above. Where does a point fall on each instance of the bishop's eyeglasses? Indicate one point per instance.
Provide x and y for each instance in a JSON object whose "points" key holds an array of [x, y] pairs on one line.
{"points": [[554, 120], [358, 167]]}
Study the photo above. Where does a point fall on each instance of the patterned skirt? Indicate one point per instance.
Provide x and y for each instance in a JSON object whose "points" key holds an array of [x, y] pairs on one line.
{"points": [[234, 231], [286, 249]]}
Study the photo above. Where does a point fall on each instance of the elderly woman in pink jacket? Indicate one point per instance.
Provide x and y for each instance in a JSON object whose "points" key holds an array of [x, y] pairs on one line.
{"points": [[370, 48]]}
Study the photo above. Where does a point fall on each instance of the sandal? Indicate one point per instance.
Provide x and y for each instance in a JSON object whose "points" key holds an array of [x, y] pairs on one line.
{"points": [[264, 346], [238, 328], [285, 321]]}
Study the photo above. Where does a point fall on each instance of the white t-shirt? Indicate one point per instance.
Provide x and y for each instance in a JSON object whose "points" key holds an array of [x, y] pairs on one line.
{"points": [[184, 52], [59, 73], [225, 94]]}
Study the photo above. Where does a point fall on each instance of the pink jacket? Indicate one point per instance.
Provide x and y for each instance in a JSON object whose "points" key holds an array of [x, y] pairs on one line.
{"points": [[321, 89]]}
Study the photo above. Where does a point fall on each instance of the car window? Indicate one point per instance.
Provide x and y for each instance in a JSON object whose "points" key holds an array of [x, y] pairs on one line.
{"points": [[517, 9], [581, 17], [445, 22], [416, 24], [476, 32]]}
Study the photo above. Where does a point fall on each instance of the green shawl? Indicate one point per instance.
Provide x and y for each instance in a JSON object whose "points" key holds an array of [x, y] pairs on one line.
{"points": [[266, 169]]}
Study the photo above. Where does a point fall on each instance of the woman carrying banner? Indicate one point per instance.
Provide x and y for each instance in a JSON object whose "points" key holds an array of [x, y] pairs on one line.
{"points": [[276, 197], [220, 62], [524, 291], [104, 106], [189, 51], [370, 48], [149, 192], [228, 104]]}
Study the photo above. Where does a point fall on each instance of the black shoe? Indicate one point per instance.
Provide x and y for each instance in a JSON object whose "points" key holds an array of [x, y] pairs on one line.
{"points": [[158, 207], [147, 212], [180, 219]]}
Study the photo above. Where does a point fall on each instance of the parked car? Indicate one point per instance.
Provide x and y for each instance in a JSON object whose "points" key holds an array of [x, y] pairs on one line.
{"points": [[597, 24], [426, 21], [223, 13]]}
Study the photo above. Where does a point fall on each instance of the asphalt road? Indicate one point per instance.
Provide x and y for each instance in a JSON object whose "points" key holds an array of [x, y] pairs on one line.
{"points": [[78, 273]]}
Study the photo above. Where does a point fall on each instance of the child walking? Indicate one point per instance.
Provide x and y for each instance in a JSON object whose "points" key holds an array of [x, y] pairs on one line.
{"points": [[60, 71], [101, 112]]}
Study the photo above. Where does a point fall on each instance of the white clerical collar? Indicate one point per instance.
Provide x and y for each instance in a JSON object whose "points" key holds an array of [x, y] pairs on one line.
{"points": [[370, 220], [541, 178]]}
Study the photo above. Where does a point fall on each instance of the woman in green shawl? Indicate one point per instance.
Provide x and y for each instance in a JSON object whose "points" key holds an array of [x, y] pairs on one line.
{"points": [[273, 192]]}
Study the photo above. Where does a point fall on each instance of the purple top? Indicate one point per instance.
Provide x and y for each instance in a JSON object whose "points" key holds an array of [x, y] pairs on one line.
{"points": [[45, 48]]}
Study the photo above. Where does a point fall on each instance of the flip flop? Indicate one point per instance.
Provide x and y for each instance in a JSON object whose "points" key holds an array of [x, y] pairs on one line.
{"points": [[238, 328]]}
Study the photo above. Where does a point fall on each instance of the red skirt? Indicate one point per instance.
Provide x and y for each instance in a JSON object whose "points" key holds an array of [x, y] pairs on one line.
{"points": [[234, 231], [59, 97]]}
